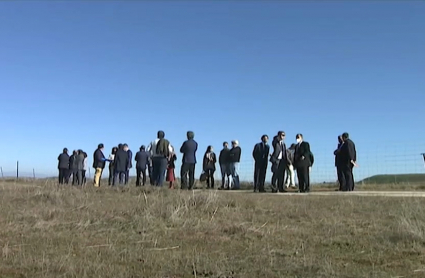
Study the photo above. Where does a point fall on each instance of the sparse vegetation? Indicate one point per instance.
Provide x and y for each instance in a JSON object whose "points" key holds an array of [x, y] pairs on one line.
{"points": [[144, 232]]}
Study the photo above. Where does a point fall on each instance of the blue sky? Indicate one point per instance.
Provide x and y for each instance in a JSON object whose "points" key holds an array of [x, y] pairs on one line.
{"points": [[74, 74]]}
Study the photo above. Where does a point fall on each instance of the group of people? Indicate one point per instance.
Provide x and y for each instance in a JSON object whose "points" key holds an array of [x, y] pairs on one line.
{"points": [[74, 165], [157, 160], [345, 161], [298, 157]]}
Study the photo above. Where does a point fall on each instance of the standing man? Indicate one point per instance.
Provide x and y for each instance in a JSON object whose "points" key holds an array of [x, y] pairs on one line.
{"points": [[261, 156], [142, 162], [348, 161], [121, 165], [338, 163], [290, 171], [279, 161], [303, 163], [130, 164], [188, 149], [235, 158], [73, 167], [98, 164], [63, 166], [224, 162], [79, 166], [160, 150]]}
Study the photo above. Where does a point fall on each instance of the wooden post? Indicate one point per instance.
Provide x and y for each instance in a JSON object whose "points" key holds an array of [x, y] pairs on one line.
{"points": [[89, 174], [17, 169], [1, 170], [33, 173]]}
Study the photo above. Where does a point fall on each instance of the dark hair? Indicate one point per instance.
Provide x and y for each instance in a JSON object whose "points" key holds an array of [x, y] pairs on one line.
{"points": [[80, 151], [161, 134], [190, 135], [280, 133], [225, 143], [65, 150], [340, 139], [120, 146], [142, 147], [264, 136], [85, 154], [114, 150], [74, 152], [125, 145], [299, 135], [345, 136], [100, 146], [208, 149]]}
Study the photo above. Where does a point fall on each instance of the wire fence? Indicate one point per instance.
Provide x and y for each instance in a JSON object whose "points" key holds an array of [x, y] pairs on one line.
{"points": [[395, 160]]}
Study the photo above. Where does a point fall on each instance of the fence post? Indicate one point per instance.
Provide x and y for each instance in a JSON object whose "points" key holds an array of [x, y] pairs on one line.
{"points": [[1, 170], [89, 174], [17, 169], [33, 173]]}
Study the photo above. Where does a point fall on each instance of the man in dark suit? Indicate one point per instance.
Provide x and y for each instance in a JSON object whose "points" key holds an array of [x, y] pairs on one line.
{"points": [[188, 149], [279, 161], [63, 166], [224, 161], [261, 156], [121, 165], [142, 162], [99, 162], [348, 156], [338, 161], [303, 161], [130, 164]]}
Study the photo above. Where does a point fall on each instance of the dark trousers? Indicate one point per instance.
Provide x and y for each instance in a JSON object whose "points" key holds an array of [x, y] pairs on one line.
{"points": [[141, 173], [150, 172], [225, 173], [260, 169], [111, 175], [74, 173], [340, 177], [280, 175], [159, 165], [303, 174], [127, 176], [210, 178], [63, 175], [187, 169], [347, 178], [84, 177], [118, 175], [79, 175]]}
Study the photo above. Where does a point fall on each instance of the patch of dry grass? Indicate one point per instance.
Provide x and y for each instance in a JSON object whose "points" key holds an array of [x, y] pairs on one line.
{"points": [[48, 231]]}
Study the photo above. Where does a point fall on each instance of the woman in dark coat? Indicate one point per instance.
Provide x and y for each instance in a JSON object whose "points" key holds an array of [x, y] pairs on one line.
{"points": [[209, 162], [111, 165]]}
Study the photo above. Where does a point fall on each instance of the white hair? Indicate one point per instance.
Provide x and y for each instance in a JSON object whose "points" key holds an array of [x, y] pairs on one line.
{"points": [[236, 142]]}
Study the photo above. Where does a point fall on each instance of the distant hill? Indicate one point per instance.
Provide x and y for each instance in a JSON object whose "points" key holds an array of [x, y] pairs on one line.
{"points": [[399, 178]]}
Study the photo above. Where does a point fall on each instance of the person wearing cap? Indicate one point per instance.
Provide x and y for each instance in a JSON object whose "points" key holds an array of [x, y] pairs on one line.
{"points": [[63, 166], [99, 162], [235, 158], [159, 150], [142, 162], [188, 149], [303, 161], [223, 160], [279, 160], [261, 155], [348, 161]]}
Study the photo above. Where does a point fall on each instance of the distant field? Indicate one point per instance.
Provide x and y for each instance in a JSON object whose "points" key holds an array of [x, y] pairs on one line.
{"points": [[146, 232]]}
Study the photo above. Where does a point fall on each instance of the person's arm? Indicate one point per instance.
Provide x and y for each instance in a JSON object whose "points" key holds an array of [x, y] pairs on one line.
{"points": [[351, 152], [254, 151], [214, 158], [183, 147]]}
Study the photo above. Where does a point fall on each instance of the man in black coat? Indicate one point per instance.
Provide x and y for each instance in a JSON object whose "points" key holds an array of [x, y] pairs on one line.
{"points": [[348, 158], [279, 161], [261, 156], [63, 166], [224, 162], [188, 149], [121, 166], [303, 161], [338, 161], [99, 162], [73, 167], [142, 162]]}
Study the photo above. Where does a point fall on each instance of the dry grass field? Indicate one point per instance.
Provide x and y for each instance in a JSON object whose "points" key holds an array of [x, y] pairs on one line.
{"points": [[48, 231]]}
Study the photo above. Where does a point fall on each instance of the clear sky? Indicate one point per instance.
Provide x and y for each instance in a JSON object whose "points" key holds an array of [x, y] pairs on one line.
{"points": [[74, 74]]}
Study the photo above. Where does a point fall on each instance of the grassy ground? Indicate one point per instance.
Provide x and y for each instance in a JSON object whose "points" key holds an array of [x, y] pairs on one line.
{"points": [[72, 232]]}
